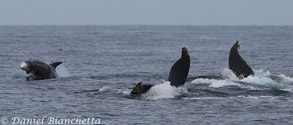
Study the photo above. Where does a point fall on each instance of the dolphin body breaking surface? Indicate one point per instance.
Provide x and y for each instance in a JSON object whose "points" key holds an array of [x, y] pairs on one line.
{"points": [[39, 70], [177, 75], [238, 65]]}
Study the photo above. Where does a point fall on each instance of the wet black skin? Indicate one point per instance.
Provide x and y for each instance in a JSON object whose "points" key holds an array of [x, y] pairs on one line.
{"points": [[180, 69], [41, 70], [140, 89], [238, 65], [177, 75]]}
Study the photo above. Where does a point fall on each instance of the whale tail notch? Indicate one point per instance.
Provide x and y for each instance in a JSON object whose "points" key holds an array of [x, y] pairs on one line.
{"points": [[55, 64]]}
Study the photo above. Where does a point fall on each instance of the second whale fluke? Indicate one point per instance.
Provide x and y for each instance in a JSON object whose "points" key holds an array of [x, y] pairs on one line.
{"points": [[238, 65]]}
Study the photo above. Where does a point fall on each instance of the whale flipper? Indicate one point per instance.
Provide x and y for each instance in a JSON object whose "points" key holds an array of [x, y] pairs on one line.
{"points": [[140, 89], [180, 69], [238, 65], [55, 64]]}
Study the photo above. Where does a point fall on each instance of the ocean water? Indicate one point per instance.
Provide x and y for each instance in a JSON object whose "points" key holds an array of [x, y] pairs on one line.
{"points": [[101, 64]]}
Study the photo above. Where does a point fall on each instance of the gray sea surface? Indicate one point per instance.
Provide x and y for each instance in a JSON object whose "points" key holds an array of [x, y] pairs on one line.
{"points": [[101, 65]]}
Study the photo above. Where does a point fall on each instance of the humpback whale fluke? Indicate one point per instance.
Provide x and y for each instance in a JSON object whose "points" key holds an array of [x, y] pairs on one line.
{"points": [[177, 75], [237, 64], [140, 89], [40, 70], [180, 69]]}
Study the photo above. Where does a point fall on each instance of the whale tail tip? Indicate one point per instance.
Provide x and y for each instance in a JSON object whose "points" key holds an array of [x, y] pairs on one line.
{"points": [[236, 45], [136, 90]]}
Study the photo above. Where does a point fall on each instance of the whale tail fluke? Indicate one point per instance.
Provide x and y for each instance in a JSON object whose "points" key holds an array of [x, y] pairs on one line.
{"points": [[136, 90], [180, 69], [140, 89], [236, 45], [238, 65], [55, 64], [177, 75]]}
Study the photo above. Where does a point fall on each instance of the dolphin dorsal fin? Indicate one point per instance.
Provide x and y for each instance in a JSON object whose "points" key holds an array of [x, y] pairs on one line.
{"points": [[55, 64]]}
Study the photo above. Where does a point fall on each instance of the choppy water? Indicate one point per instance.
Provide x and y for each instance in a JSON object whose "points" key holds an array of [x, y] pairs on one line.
{"points": [[101, 64]]}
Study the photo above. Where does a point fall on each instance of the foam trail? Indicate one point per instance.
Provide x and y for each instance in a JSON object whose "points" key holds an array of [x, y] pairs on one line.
{"points": [[229, 81], [62, 71], [124, 91], [105, 89], [267, 80], [261, 80], [162, 91], [215, 83]]}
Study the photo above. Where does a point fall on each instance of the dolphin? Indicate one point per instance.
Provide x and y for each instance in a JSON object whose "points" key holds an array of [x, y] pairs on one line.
{"points": [[39, 70], [238, 65]]}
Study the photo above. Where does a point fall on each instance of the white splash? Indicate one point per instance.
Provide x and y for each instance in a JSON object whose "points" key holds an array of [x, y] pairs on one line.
{"points": [[261, 80], [215, 83], [123, 91], [162, 91], [62, 71], [219, 83], [24, 66], [105, 89]]}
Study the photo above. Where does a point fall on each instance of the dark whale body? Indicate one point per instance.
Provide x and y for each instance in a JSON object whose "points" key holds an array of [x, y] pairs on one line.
{"points": [[177, 75], [140, 89], [237, 64], [40, 70], [180, 69]]}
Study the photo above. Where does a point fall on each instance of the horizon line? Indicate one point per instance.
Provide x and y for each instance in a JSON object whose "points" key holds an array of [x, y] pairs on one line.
{"points": [[146, 25]]}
